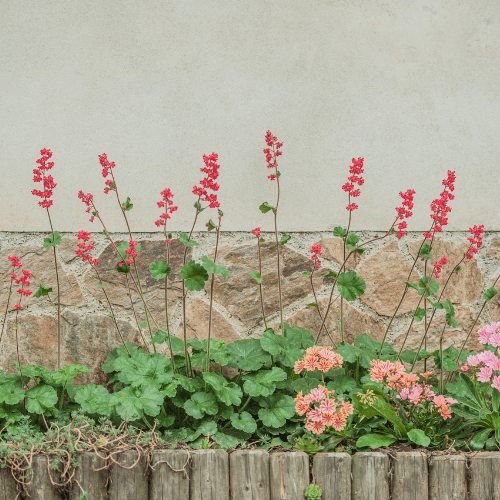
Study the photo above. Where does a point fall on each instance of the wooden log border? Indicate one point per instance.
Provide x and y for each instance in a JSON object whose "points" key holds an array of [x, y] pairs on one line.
{"points": [[259, 475]]}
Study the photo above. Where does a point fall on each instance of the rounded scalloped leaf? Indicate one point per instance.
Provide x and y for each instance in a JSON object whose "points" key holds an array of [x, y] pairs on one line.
{"points": [[194, 276]]}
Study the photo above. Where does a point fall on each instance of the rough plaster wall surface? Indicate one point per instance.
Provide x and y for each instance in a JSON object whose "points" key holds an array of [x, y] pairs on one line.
{"points": [[411, 86], [88, 334]]}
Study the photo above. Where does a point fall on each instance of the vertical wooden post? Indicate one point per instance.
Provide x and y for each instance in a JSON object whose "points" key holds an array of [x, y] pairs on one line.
{"points": [[249, 475], [209, 477], [129, 481], [289, 475], [8, 486], [369, 476], [485, 476], [41, 487], [410, 479], [92, 482], [448, 478], [332, 473], [165, 483]]}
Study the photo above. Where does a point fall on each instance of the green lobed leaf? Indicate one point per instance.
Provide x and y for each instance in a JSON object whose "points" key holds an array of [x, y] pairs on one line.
{"points": [[273, 343], [244, 422], [276, 410], [419, 314], [425, 251], [227, 392], [299, 336], [350, 285], [200, 404], [132, 403], [11, 394], [124, 268], [211, 225], [340, 232], [284, 239], [211, 267], [248, 354], [490, 293], [94, 399], [52, 241], [351, 241], [40, 398], [432, 288], [143, 369], [263, 382], [186, 241], [265, 207], [42, 291], [127, 206], [330, 274], [256, 276], [159, 269], [194, 275]]}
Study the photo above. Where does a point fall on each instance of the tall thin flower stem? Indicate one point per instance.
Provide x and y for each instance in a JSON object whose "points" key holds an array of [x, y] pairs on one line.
{"points": [[342, 298], [275, 211], [58, 298], [16, 328], [111, 309], [425, 324], [6, 309], [169, 340], [343, 267], [318, 308], [211, 300], [260, 285]]}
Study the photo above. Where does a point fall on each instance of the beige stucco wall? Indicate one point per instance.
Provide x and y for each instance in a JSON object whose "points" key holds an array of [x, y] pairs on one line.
{"points": [[412, 86]]}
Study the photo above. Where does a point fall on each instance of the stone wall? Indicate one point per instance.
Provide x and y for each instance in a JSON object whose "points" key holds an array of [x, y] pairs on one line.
{"points": [[88, 334]]}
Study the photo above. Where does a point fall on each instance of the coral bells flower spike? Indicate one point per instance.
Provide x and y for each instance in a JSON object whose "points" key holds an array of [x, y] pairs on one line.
{"points": [[439, 206], [404, 210], [167, 204], [355, 178], [15, 261], [87, 199], [272, 152], [212, 171], [316, 252], [438, 265], [106, 168], [256, 232], [475, 241], [84, 249], [132, 254], [47, 181]]}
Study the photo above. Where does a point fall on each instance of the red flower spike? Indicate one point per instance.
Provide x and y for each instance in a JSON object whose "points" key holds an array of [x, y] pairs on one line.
{"points": [[212, 171], [355, 178], [167, 202], [272, 153], [47, 181], [256, 232], [439, 206], [84, 249], [316, 252], [476, 241], [404, 210]]}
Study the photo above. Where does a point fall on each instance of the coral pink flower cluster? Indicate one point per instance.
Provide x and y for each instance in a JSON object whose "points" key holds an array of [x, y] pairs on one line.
{"points": [[212, 171], [475, 241], [392, 375], [404, 211], [318, 358], [439, 206], [131, 252], [167, 202], [272, 152], [256, 232], [48, 181], [323, 410], [483, 365], [421, 397], [23, 280], [316, 252], [87, 199], [106, 168], [84, 249], [355, 178], [439, 265]]}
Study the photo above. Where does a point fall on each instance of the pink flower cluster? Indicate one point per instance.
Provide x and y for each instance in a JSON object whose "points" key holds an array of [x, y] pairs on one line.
{"points": [[272, 152], [392, 375], [87, 199], [439, 206], [323, 410], [84, 249], [404, 210], [23, 280], [318, 358], [476, 241], [166, 202], [48, 181], [256, 232], [212, 171], [106, 168], [131, 252], [316, 252], [355, 178], [438, 266]]}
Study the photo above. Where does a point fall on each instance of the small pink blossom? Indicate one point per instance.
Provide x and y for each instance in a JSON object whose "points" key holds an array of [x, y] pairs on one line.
{"points": [[484, 374]]}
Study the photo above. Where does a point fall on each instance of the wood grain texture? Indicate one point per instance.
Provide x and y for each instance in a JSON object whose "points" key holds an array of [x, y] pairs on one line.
{"points": [[332, 473], [410, 480], [369, 476], [209, 476], [165, 483], [129, 483], [289, 475], [448, 478], [249, 475], [485, 476], [94, 483], [41, 487], [8, 486]]}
